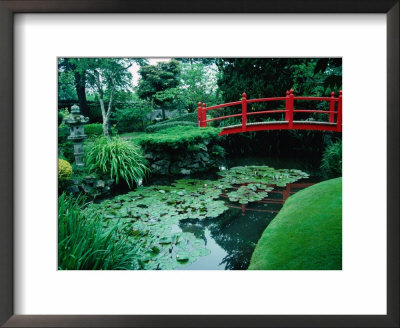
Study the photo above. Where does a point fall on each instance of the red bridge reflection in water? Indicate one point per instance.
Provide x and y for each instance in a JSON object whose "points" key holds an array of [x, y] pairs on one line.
{"points": [[290, 189]]}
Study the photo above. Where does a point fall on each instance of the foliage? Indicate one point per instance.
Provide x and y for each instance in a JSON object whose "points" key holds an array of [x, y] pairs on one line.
{"points": [[190, 117], [62, 113], [168, 124], [64, 170], [307, 232], [332, 159], [246, 194], [72, 82], [121, 159], [245, 184], [66, 151], [157, 79], [178, 137], [132, 117], [332, 67], [83, 243], [93, 129], [66, 81], [158, 83], [105, 77], [63, 132], [198, 83]]}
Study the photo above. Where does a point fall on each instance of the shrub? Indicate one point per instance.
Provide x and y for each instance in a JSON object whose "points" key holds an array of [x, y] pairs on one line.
{"points": [[168, 124], [64, 170], [66, 151], [132, 118], [332, 159], [63, 133], [83, 243], [60, 118], [119, 158], [178, 137], [93, 129], [62, 113]]}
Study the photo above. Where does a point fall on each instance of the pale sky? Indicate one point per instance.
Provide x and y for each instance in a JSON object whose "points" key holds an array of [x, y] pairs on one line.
{"points": [[135, 68]]}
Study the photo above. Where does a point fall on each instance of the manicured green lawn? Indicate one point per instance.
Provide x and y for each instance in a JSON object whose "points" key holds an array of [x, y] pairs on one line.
{"points": [[307, 232]]}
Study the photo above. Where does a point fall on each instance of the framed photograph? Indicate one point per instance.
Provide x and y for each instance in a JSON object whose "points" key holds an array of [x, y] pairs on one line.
{"points": [[199, 176]]}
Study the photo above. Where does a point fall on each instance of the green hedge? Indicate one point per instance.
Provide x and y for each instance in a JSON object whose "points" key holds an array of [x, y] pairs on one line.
{"points": [[178, 137], [307, 232], [94, 129], [168, 124]]}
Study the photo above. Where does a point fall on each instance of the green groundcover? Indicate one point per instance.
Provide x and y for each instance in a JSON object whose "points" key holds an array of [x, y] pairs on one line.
{"points": [[307, 232]]}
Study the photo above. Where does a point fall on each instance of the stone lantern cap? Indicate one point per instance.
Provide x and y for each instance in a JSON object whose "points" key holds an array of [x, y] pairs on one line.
{"points": [[75, 118]]}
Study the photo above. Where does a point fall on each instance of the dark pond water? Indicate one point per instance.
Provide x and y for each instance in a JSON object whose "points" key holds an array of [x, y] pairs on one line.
{"points": [[232, 237]]}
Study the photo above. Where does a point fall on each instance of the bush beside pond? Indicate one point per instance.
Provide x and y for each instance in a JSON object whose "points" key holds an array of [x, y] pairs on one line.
{"points": [[307, 232], [182, 150], [332, 159]]}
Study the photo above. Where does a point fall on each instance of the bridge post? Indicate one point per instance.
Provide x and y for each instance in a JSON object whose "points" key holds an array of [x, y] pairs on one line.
{"points": [[199, 114], [204, 116], [287, 106], [291, 108], [332, 108], [244, 112], [339, 114]]}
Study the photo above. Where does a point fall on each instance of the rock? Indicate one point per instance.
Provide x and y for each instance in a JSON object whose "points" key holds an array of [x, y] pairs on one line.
{"points": [[89, 178], [99, 184], [86, 188], [73, 189], [109, 182], [194, 165], [185, 172]]}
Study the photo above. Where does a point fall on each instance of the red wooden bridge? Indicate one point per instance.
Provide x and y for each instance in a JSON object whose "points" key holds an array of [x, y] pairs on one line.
{"points": [[334, 122]]}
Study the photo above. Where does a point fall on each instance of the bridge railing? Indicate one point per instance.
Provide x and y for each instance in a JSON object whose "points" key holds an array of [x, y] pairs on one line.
{"points": [[335, 115]]}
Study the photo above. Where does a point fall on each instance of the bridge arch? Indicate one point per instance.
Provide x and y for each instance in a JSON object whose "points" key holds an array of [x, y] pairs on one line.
{"points": [[334, 122]]}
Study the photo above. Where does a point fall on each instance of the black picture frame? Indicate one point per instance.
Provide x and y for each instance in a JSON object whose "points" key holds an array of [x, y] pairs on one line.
{"points": [[10, 7]]}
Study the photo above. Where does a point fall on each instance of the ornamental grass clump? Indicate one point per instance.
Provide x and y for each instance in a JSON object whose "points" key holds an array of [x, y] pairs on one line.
{"points": [[83, 243], [119, 158]]}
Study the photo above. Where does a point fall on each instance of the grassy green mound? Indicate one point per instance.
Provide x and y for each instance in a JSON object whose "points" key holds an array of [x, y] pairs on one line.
{"points": [[307, 232]]}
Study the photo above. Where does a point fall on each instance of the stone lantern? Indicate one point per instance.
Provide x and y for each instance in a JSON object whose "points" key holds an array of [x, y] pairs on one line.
{"points": [[76, 121]]}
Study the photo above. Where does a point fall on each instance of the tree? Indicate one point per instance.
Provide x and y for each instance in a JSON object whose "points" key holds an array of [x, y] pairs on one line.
{"points": [[156, 82], [105, 76], [198, 82], [71, 72]]}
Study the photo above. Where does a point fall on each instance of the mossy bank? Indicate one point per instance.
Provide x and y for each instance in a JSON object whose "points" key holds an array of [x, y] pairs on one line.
{"points": [[307, 232]]}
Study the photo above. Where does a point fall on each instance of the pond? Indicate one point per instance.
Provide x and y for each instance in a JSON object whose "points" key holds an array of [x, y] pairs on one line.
{"points": [[210, 221], [233, 237]]}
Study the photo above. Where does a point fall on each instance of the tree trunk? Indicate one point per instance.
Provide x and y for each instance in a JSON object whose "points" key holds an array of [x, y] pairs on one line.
{"points": [[81, 92], [106, 126], [163, 113], [106, 122]]}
